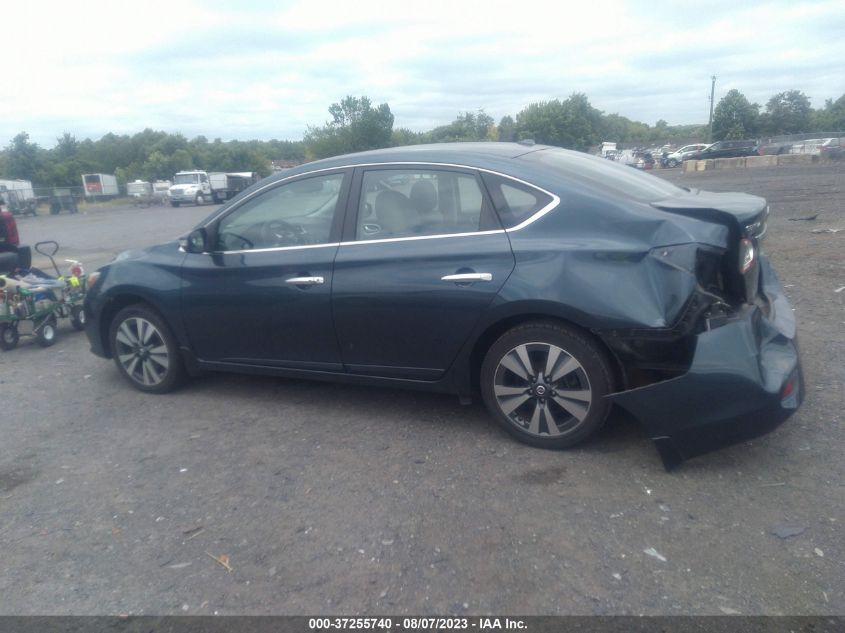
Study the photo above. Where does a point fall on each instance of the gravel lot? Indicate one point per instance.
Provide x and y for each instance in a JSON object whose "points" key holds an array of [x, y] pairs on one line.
{"points": [[341, 499]]}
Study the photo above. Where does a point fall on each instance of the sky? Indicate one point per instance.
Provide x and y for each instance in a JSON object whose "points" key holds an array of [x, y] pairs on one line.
{"points": [[261, 70]]}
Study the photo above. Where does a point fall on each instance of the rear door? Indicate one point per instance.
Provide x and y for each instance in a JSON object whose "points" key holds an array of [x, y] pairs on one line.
{"points": [[423, 256]]}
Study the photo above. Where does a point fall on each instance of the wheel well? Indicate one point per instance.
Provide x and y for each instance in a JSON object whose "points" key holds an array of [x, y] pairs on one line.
{"points": [[110, 310], [492, 333]]}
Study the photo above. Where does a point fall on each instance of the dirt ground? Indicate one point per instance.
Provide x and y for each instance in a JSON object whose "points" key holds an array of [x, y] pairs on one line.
{"points": [[339, 499]]}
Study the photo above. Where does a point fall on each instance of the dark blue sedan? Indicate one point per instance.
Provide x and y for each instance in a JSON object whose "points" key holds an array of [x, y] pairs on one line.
{"points": [[551, 283]]}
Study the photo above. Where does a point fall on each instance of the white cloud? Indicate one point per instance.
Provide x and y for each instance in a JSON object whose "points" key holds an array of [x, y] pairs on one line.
{"points": [[265, 70]]}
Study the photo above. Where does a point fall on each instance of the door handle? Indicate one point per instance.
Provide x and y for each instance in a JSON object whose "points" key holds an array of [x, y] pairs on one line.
{"points": [[304, 281], [468, 277]]}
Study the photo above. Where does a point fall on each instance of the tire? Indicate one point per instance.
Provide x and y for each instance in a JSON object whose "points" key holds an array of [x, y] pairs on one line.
{"points": [[77, 318], [199, 200], [673, 162], [174, 204], [529, 405], [8, 336], [145, 350], [48, 332]]}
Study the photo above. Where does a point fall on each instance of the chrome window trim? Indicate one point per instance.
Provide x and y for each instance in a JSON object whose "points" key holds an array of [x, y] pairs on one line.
{"points": [[555, 201]]}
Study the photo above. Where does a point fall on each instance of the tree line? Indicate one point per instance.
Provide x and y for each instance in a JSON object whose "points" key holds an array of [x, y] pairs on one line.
{"points": [[356, 124], [786, 112]]}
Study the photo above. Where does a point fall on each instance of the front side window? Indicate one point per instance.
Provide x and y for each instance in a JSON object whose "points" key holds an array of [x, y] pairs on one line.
{"points": [[399, 203], [298, 213]]}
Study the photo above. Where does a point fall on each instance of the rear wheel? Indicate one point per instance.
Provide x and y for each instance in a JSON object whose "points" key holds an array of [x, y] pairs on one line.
{"points": [[8, 336], [47, 332], [145, 351], [545, 383]]}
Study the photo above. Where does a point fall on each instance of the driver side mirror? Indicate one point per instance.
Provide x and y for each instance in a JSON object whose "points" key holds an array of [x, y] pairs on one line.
{"points": [[196, 241]]}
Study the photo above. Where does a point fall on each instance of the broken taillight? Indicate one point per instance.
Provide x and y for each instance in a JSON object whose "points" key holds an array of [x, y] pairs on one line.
{"points": [[747, 255]]}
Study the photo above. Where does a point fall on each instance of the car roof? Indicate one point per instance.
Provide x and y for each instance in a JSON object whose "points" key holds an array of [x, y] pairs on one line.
{"points": [[484, 155]]}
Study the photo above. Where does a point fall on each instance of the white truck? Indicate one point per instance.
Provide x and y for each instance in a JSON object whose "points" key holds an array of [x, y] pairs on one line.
{"points": [[199, 187], [100, 186]]}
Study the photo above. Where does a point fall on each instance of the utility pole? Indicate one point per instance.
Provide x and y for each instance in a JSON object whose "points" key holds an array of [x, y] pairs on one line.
{"points": [[710, 122]]}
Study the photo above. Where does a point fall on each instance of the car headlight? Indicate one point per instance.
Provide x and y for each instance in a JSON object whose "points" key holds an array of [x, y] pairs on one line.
{"points": [[747, 255]]}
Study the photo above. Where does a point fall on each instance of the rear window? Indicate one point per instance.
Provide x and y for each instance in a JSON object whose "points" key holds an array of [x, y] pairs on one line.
{"points": [[514, 202], [603, 174]]}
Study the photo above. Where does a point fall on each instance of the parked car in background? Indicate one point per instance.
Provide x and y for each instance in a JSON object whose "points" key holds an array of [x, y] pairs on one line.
{"points": [[809, 146], [643, 160], [727, 149], [531, 275], [680, 155], [832, 148], [774, 148]]}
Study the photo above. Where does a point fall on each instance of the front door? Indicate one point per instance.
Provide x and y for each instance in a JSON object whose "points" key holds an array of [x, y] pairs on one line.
{"points": [[262, 297]]}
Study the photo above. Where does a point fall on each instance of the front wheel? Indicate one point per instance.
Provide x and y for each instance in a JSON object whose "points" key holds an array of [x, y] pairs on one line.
{"points": [[199, 200], [173, 203], [145, 351], [8, 336], [673, 162], [545, 383], [48, 332]]}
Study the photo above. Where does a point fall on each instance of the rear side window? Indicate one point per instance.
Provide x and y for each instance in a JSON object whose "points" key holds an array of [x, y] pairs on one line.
{"points": [[514, 202]]}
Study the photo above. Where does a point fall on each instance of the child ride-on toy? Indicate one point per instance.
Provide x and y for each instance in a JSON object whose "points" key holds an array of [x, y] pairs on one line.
{"points": [[35, 300]]}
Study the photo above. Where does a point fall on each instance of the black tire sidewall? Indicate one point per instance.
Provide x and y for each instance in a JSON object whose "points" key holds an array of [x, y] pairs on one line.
{"points": [[77, 318], [41, 337], [11, 344], [175, 371], [588, 353]]}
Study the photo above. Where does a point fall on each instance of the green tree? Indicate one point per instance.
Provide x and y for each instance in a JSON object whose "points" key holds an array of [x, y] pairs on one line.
{"points": [[355, 126], [831, 118], [24, 159], [788, 113], [572, 123], [507, 129], [735, 117]]}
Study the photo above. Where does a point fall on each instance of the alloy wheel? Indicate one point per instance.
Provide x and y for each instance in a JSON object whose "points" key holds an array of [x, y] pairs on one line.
{"points": [[142, 351], [543, 389]]}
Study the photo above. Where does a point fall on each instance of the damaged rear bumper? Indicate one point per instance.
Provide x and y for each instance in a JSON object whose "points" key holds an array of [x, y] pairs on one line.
{"points": [[745, 379]]}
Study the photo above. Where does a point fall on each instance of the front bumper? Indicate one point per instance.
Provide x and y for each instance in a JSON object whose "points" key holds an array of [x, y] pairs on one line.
{"points": [[745, 379]]}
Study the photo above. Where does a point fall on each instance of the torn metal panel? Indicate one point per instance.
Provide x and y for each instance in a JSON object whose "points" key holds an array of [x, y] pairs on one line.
{"points": [[745, 378]]}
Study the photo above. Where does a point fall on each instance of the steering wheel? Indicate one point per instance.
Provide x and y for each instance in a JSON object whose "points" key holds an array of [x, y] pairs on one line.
{"points": [[280, 233]]}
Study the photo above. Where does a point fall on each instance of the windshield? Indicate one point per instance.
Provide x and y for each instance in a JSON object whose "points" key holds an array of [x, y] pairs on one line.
{"points": [[604, 174], [186, 179]]}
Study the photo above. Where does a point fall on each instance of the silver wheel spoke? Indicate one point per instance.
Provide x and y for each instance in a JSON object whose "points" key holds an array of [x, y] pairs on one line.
{"points": [[160, 359], [584, 395], [503, 391], [512, 362], [534, 426], [125, 335], [125, 358], [551, 360], [575, 409], [130, 367], [512, 403], [567, 367]]}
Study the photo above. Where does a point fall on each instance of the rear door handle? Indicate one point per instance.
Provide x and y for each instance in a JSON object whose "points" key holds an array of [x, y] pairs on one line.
{"points": [[304, 281], [467, 277]]}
